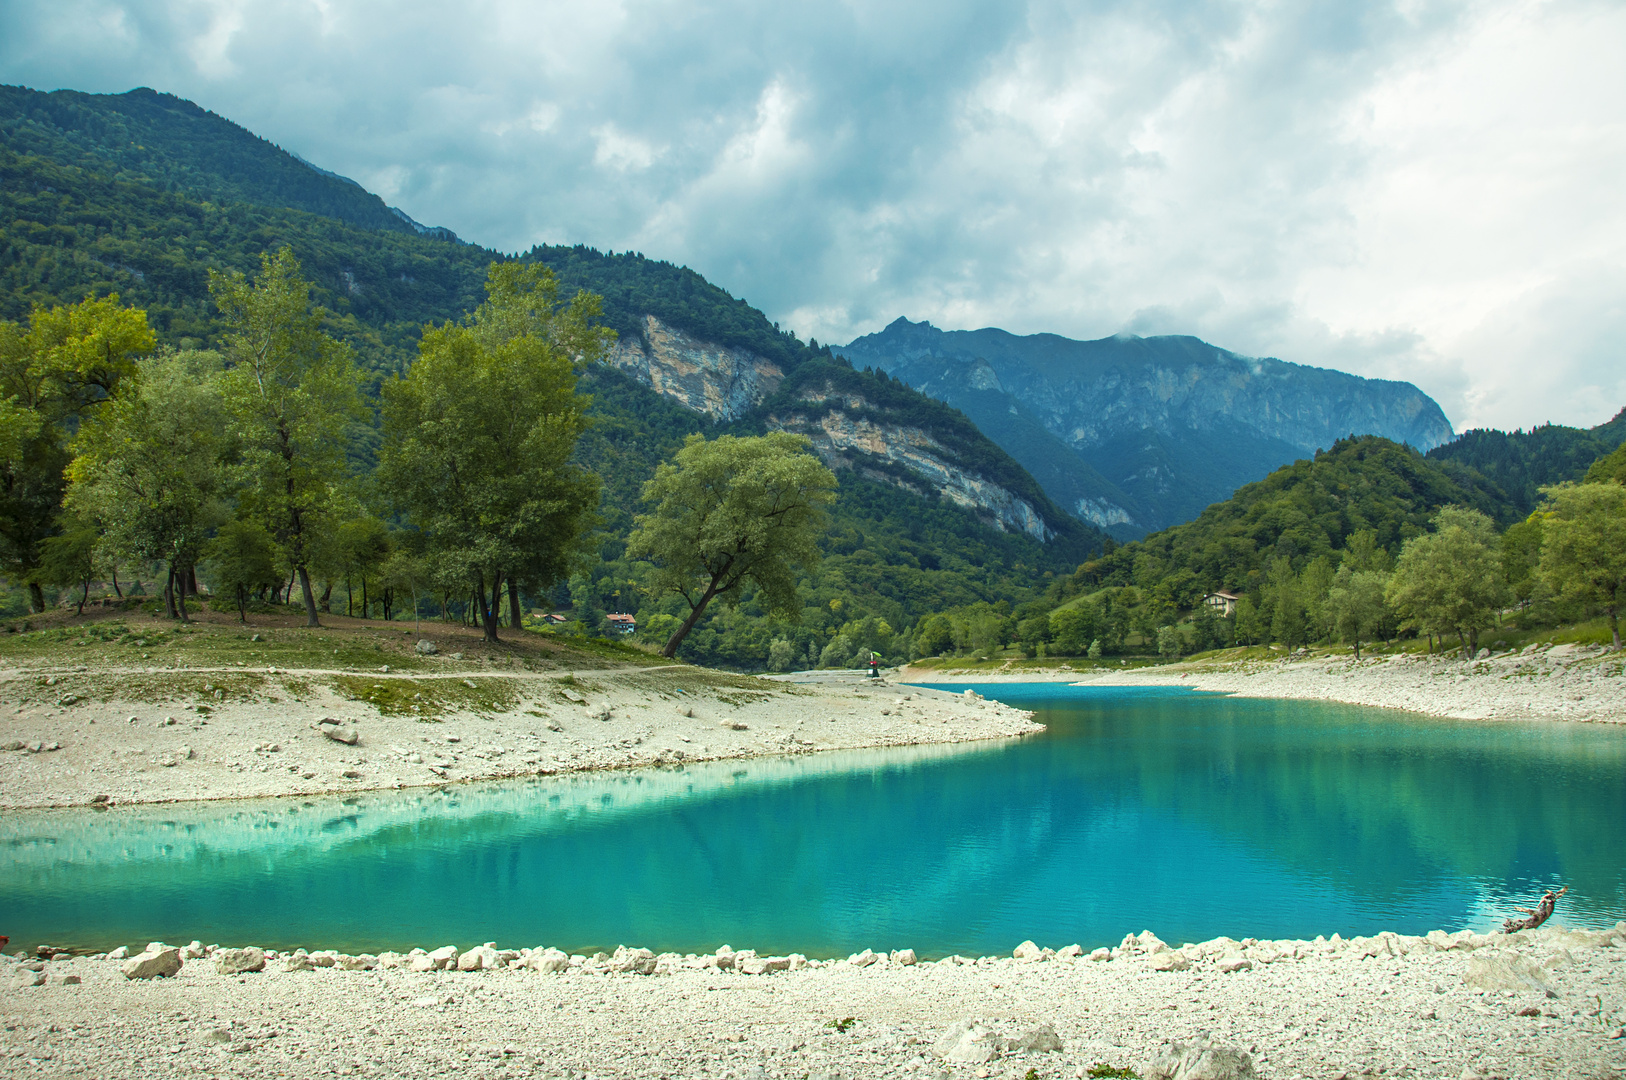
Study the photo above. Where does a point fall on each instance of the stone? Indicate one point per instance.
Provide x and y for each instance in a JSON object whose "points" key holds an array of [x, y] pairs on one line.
{"points": [[1149, 943], [238, 961], [1169, 961], [1027, 951], [192, 951], [863, 959], [1069, 952], [1200, 1060], [905, 957], [156, 961], [1503, 970], [443, 957], [547, 961], [68, 980], [14, 744], [968, 1042], [363, 962], [347, 735], [324, 958], [1100, 954], [1040, 1040], [425, 647], [120, 953], [298, 963], [479, 958], [762, 965], [1233, 962]]}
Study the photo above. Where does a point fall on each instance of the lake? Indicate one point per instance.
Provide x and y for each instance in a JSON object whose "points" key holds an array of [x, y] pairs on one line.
{"points": [[1191, 814]]}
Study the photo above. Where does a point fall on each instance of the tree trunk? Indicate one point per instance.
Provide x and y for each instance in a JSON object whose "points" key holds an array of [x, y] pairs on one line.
{"points": [[179, 592], [36, 597], [192, 581], [242, 605], [349, 597], [1357, 650], [514, 618], [366, 608], [84, 595], [488, 616], [116, 590], [169, 594], [1614, 624], [682, 632], [310, 598]]}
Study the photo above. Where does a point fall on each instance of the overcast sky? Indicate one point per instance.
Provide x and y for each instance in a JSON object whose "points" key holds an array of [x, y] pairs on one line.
{"points": [[1421, 190]]}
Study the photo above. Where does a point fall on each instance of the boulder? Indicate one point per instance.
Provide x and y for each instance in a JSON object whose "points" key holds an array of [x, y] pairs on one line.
{"points": [[1169, 961], [298, 962], [1040, 1040], [237, 961], [480, 958], [1200, 1060], [968, 1042], [156, 961], [1503, 970], [1070, 952], [547, 961], [120, 953], [425, 647], [1232, 962], [1027, 951], [1101, 954], [762, 965], [347, 735], [905, 957], [441, 958], [863, 959]]}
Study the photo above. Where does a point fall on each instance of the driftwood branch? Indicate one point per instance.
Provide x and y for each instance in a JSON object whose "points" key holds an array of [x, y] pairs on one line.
{"points": [[1535, 917]]}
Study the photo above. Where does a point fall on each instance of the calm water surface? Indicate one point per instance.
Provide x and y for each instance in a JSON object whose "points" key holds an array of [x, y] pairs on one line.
{"points": [[1191, 814]]}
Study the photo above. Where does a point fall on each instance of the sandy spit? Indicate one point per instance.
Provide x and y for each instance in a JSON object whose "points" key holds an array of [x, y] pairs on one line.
{"points": [[78, 737], [1543, 1004], [1557, 683]]}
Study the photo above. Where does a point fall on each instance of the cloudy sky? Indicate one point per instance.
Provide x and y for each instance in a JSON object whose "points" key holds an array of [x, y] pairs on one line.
{"points": [[1425, 189]]}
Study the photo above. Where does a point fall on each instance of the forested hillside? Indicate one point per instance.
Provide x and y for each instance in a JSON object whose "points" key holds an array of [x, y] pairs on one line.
{"points": [[1521, 463], [73, 229]]}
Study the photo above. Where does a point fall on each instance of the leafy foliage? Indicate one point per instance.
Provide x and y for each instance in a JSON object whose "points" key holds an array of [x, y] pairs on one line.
{"points": [[1520, 463]]}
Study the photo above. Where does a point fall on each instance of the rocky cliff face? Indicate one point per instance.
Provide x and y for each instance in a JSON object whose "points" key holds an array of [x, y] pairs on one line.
{"points": [[848, 443], [848, 429], [1169, 424], [721, 382]]}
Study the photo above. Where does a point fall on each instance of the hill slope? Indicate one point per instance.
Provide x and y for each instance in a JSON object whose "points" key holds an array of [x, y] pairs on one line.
{"points": [[1165, 425], [931, 514], [173, 144], [1521, 463]]}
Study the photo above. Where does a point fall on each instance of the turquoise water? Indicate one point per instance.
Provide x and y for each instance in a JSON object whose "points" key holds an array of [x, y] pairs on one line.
{"points": [[1190, 814]]}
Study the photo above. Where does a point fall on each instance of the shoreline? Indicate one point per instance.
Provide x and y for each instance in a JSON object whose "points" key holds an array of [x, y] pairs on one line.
{"points": [[1541, 1003], [1553, 683], [238, 733]]}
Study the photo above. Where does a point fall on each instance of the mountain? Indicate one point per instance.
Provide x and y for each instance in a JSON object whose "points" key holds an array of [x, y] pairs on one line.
{"points": [[1521, 463], [174, 145], [1136, 434], [931, 514], [1302, 511]]}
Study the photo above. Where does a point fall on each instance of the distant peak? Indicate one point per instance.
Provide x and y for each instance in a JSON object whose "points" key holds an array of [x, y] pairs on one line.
{"points": [[902, 323]]}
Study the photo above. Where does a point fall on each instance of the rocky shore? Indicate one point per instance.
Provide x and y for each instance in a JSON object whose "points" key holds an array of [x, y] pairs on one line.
{"points": [[1540, 1004], [83, 738], [1562, 682]]}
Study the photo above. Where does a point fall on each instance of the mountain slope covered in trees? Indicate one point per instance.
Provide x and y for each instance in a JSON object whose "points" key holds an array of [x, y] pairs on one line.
{"points": [[1521, 463], [83, 224]]}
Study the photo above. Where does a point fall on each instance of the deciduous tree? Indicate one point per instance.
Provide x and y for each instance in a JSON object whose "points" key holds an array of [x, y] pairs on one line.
{"points": [[62, 366], [478, 438], [1355, 605], [1451, 579], [732, 511], [290, 392], [1583, 546]]}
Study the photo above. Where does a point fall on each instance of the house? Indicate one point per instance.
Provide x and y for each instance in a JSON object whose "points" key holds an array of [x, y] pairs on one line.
{"points": [[621, 624], [1222, 602], [554, 619]]}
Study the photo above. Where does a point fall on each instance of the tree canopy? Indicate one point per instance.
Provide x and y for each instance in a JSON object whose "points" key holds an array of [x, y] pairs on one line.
{"points": [[731, 511]]}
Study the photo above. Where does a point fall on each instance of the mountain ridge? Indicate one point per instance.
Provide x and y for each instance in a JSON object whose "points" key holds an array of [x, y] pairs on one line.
{"points": [[1167, 425]]}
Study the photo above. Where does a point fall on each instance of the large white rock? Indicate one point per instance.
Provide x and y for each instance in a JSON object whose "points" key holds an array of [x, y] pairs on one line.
{"points": [[156, 961], [1503, 970], [1169, 961], [1040, 1040], [969, 1042], [479, 958], [237, 961], [1200, 1060], [1027, 951], [547, 961]]}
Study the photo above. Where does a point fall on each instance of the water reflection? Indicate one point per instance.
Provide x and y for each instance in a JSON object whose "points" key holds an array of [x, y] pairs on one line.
{"points": [[1195, 815]]}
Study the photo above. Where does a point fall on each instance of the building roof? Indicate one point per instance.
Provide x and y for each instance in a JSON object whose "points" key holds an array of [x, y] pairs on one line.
{"points": [[1225, 594]]}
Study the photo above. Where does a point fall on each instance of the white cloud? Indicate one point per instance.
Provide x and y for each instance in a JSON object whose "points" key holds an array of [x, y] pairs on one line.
{"points": [[1425, 190]]}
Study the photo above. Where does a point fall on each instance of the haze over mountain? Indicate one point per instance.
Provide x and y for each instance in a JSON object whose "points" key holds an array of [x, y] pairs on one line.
{"points": [[1136, 434]]}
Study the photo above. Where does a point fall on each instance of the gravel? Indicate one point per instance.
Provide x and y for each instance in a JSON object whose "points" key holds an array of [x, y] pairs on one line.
{"points": [[1389, 1005]]}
